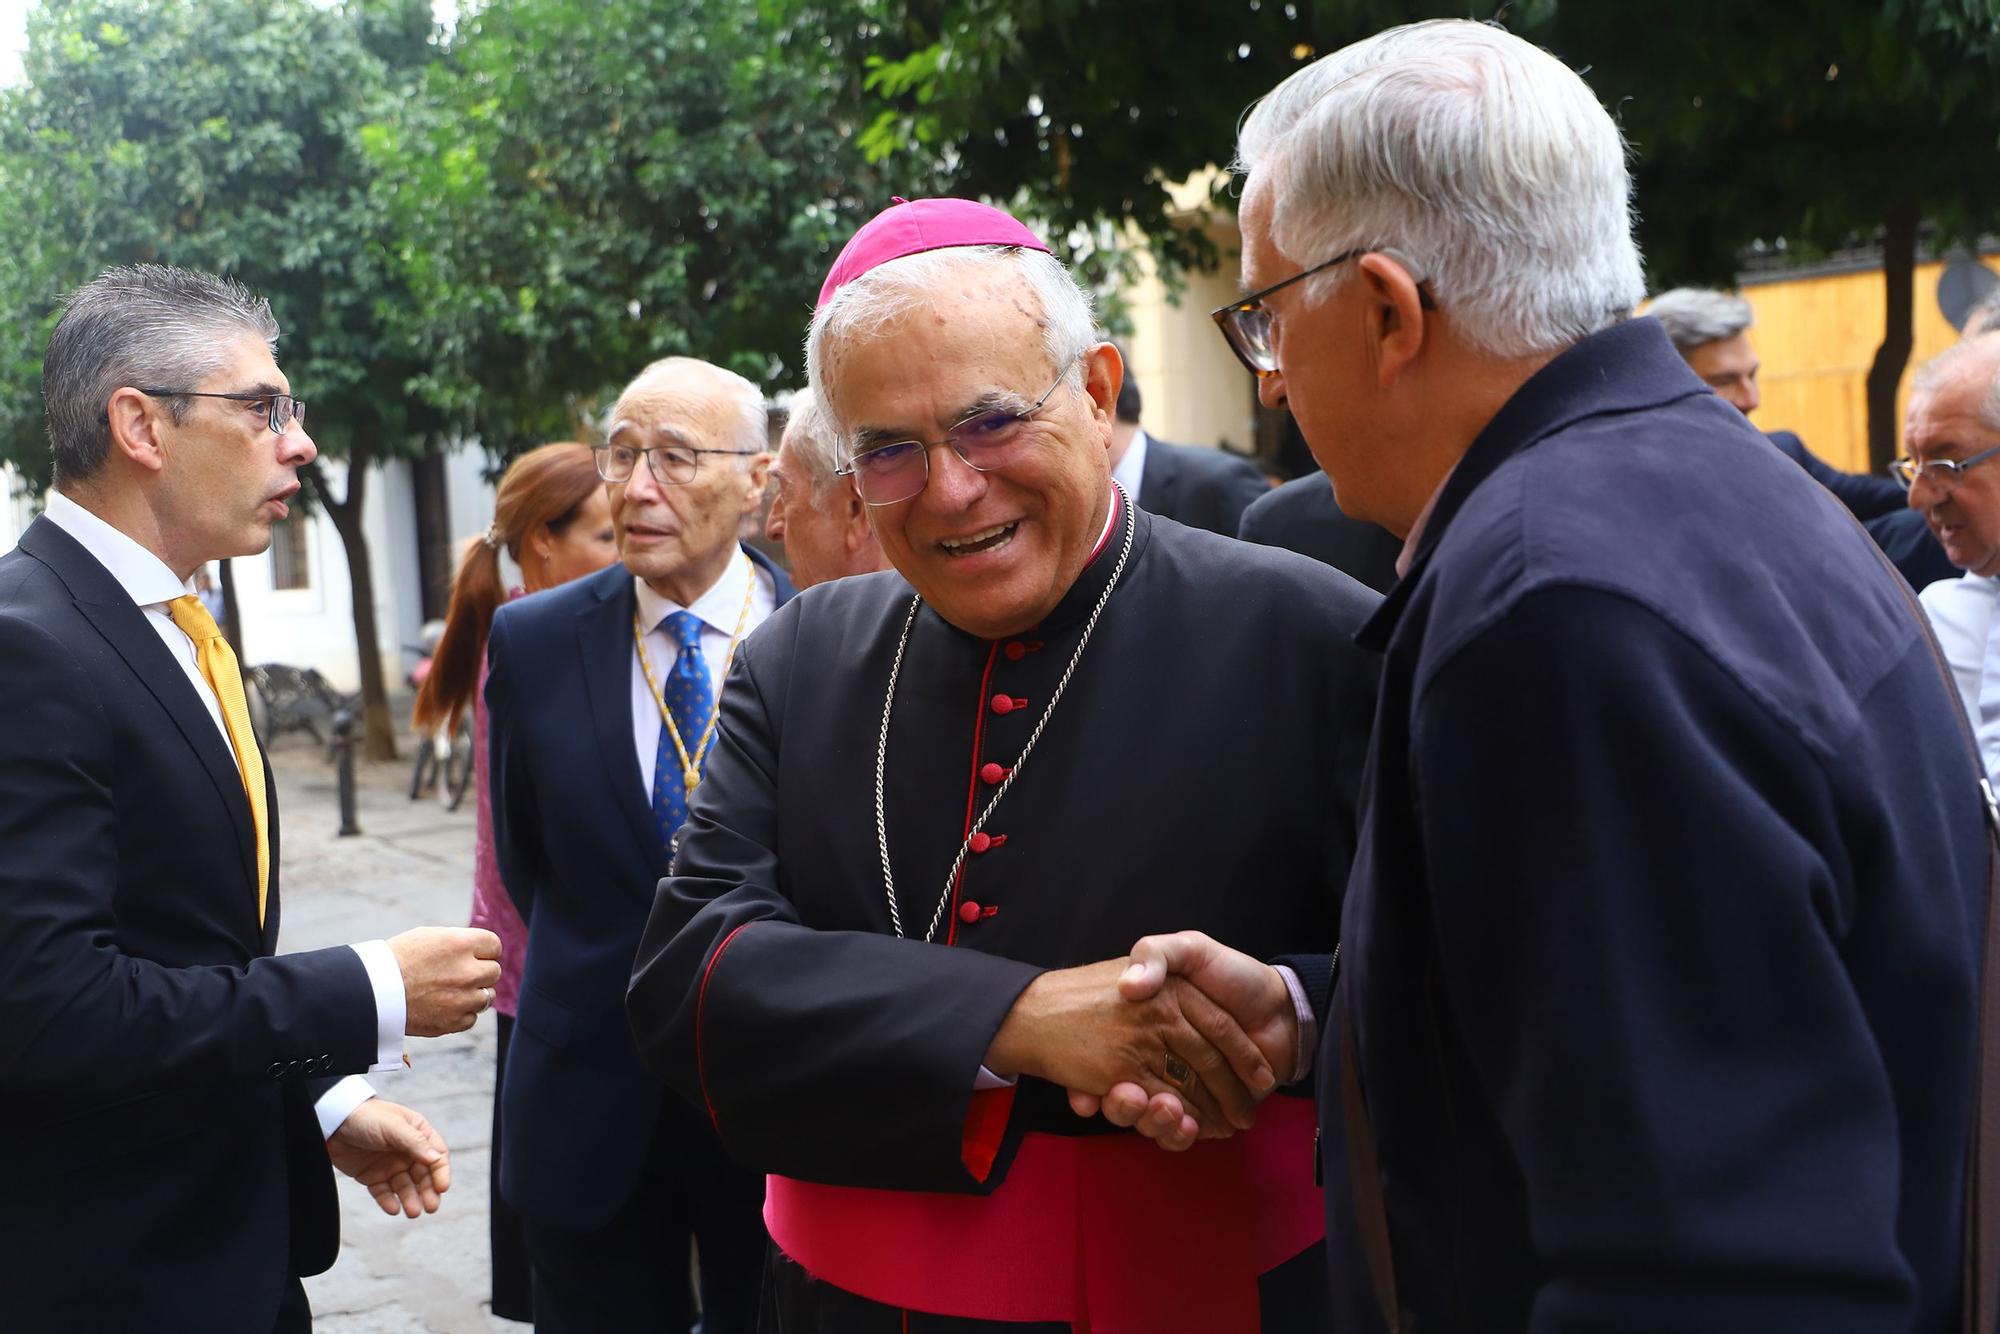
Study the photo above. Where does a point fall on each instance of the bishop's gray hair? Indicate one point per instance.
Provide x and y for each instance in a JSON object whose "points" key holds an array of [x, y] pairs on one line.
{"points": [[863, 307], [135, 327], [1480, 157], [1697, 315]]}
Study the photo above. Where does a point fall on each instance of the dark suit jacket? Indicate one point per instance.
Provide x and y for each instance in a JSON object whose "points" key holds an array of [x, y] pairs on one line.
{"points": [[157, 1065], [1865, 495], [1882, 506], [1301, 516], [579, 853], [1663, 983], [1202, 488]]}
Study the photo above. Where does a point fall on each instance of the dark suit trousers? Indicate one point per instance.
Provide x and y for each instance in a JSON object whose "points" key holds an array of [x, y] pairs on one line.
{"points": [[632, 1274]]}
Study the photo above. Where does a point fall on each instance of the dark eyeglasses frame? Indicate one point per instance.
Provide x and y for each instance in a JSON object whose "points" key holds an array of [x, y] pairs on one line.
{"points": [[1226, 317], [1907, 471], [600, 455], [924, 447], [280, 417]]}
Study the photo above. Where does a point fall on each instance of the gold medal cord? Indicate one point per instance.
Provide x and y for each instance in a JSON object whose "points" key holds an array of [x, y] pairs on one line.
{"points": [[691, 764]]}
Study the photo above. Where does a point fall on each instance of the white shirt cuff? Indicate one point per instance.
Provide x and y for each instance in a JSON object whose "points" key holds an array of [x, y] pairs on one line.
{"points": [[338, 1103], [1306, 1045], [391, 1008], [986, 1079]]}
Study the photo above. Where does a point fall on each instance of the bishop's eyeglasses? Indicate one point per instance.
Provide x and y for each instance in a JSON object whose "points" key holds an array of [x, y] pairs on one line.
{"points": [[1942, 474], [986, 439]]}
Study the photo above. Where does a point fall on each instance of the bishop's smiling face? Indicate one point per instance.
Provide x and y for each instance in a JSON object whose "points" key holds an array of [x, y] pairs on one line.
{"points": [[991, 552]]}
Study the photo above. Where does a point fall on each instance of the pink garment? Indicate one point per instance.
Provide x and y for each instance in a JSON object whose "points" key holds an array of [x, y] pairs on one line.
{"points": [[491, 908]]}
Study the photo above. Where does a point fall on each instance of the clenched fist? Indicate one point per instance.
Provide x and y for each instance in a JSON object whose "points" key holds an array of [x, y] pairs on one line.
{"points": [[449, 973]]}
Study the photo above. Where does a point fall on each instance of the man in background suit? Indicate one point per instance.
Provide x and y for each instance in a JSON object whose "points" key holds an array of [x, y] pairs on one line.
{"points": [[814, 511], [1303, 516], [1202, 488], [1711, 331], [167, 1082], [603, 696]]}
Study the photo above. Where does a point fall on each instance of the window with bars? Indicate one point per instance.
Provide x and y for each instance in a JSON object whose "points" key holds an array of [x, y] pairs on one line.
{"points": [[290, 567]]}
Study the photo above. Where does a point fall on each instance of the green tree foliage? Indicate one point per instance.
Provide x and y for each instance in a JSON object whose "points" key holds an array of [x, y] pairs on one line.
{"points": [[222, 135], [587, 186]]}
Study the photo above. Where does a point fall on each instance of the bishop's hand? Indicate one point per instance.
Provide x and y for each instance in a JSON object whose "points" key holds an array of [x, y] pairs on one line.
{"points": [[1073, 1027], [1240, 997]]}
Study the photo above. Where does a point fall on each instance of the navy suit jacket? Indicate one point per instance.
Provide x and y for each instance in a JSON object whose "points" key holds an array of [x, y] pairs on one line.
{"points": [[1661, 946], [1302, 516], [1202, 488], [580, 855], [157, 1065]]}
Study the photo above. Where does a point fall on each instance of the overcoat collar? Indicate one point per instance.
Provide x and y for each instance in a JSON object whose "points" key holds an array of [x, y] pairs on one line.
{"points": [[1625, 368]]}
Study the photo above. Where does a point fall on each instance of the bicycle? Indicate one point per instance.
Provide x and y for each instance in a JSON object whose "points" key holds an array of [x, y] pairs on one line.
{"points": [[447, 756]]}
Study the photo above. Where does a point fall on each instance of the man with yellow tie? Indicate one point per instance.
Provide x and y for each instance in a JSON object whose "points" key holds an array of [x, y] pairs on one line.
{"points": [[172, 1092]]}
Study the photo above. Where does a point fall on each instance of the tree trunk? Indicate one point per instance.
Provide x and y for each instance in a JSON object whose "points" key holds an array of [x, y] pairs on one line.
{"points": [[1899, 266], [377, 732], [232, 611]]}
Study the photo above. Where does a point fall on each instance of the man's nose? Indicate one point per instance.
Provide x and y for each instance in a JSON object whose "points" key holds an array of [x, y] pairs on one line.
{"points": [[642, 485], [295, 447], [774, 520], [1271, 389], [954, 484]]}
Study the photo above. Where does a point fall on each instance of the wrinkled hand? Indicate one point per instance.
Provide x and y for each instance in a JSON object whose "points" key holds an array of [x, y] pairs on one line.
{"points": [[396, 1154], [449, 973], [1073, 1028], [1246, 997]]}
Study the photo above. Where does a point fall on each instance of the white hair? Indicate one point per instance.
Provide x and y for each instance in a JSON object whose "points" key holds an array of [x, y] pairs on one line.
{"points": [[864, 307], [1478, 156], [1696, 315], [1965, 356], [749, 431], [810, 434]]}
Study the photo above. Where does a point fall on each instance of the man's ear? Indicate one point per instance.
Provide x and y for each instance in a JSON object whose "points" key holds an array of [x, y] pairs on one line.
{"points": [[1395, 315], [1103, 377], [135, 420], [756, 478], [853, 514]]}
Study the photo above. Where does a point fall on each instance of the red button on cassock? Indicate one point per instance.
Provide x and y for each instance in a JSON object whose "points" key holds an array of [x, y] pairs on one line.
{"points": [[968, 912], [1003, 704], [991, 774], [1015, 651], [980, 841]]}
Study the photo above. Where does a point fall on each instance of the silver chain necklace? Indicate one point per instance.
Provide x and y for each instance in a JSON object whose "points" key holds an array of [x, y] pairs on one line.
{"points": [[979, 825]]}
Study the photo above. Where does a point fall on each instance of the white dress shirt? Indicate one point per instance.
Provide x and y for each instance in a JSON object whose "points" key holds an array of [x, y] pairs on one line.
{"points": [[1962, 614], [718, 609], [1131, 469], [149, 583]]}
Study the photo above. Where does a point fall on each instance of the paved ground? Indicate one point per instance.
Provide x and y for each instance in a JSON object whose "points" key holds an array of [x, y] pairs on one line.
{"points": [[410, 866]]}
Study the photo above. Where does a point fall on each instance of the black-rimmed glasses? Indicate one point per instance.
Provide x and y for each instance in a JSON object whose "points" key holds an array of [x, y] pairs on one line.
{"points": [[1943, 474], [671, 465], [985, 440], [1246, 324], [283, 408]]}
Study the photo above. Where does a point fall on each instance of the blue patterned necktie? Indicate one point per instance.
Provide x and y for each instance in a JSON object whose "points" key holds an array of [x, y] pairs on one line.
{"points": [[690, 699]]}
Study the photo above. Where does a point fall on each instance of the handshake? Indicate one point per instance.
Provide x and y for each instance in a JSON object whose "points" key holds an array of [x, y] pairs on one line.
{"points": [[1181, 1040], [449, 973]]}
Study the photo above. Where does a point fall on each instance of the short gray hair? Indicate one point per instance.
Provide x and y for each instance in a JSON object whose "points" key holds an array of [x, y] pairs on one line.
{"points": [[1984, 317], [810, 434], [750, 430], [1480, 157], [1954, 360], [144, 325], [1697, 315], [864, 306]]}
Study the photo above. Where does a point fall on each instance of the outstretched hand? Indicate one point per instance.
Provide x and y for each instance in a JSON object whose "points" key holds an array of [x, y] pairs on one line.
{"points": [[396, 1154], [1240, 997]]}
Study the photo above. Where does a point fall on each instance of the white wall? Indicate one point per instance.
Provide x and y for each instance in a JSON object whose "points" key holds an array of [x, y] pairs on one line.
{"points": [[16, 510]]}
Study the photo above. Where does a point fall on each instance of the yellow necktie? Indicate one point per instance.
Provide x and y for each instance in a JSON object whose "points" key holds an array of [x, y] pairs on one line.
{"points": [[218, 663]]}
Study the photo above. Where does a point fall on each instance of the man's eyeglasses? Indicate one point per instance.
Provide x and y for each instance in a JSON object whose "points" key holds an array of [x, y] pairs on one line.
{"points": [[1246, 324], [281, 409], [1942, 474], [986, 440], [671, 465]]}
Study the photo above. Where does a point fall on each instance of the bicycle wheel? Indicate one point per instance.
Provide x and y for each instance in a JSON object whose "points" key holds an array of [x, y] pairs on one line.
{"points": [[424, 772], [458, 766]]}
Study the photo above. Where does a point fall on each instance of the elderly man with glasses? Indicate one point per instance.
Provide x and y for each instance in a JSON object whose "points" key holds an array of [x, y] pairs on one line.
{"points": [[943, 791], [1951, 429], [1660, 960], [604, 697]]}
